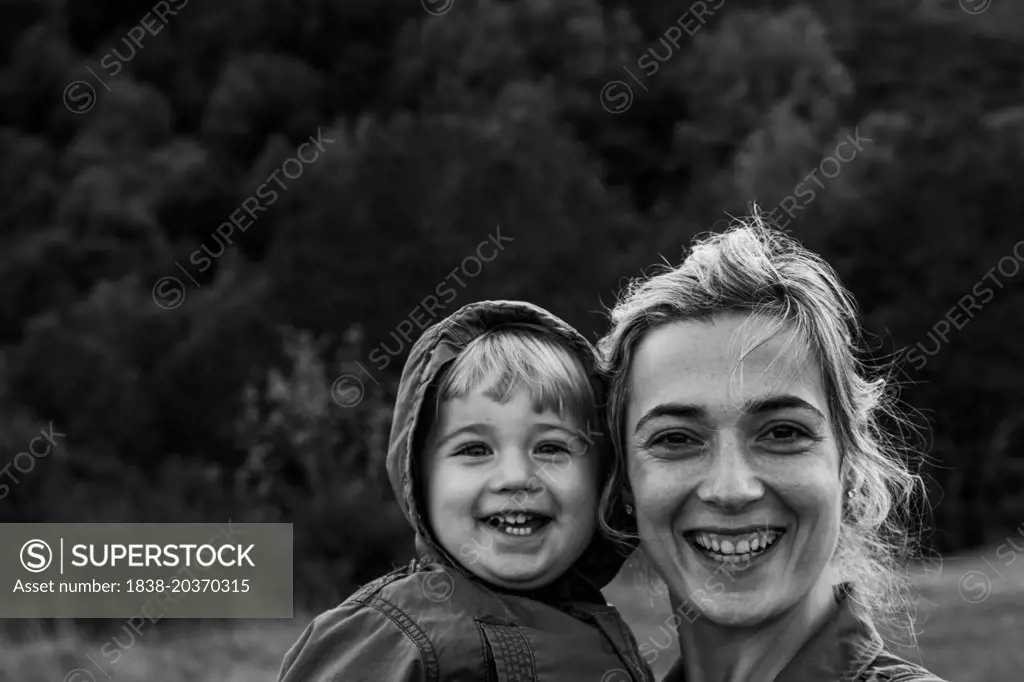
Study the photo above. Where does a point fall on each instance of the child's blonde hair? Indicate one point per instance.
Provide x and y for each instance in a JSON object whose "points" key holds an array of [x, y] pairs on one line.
{"points": [[518, 357]]}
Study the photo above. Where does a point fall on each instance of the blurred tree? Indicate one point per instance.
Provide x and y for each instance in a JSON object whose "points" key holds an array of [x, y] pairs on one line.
{"points": [[418, 196], [766, 90], [443, 129], [261, 94], [197, 385], [16, 17], [315, 463], [71, 369], [196, 193], [27, 182], [32, 82]]}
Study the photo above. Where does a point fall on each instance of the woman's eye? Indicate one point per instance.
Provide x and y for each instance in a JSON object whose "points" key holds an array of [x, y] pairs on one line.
{"points": [[788, 437], [785, 432], [674, 439], [473, 450]]}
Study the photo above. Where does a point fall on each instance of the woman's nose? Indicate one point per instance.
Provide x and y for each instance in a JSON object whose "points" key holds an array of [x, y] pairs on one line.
{"points": [[730, 482]]}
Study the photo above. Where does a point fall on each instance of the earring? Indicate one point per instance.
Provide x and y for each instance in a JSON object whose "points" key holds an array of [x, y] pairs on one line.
{"points": [[849, 493], [629, 509]]}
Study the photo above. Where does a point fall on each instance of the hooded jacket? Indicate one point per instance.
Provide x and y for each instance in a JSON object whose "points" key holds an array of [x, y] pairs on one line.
{"points": [[433, 620]]}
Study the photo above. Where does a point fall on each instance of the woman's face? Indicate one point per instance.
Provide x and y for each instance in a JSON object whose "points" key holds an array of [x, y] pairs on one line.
{"points": [[734, 468]]}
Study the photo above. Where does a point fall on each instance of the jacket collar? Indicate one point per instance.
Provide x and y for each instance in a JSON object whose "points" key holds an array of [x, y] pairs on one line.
{"points": [[842, 649]]}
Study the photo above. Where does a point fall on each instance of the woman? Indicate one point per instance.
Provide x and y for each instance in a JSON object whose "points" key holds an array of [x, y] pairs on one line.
{"points": [[749, 450]]}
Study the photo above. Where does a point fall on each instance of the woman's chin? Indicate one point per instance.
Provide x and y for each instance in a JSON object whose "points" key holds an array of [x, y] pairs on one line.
{"points": [[727, 604], [734, 610]]}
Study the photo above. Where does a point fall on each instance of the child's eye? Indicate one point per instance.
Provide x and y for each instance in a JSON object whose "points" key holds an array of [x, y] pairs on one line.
{"points": [[553, 448], [472, 450]]}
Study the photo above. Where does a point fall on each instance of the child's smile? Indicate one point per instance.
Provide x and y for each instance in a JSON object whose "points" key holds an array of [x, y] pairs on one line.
{"points": [[509, 497], [518, 524]]}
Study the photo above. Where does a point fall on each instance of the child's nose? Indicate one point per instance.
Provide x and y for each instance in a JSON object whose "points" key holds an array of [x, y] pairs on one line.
{"points": [[515, 471]]}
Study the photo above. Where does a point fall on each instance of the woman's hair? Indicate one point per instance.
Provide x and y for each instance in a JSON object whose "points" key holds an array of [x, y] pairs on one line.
{"points": [[754, 269]]}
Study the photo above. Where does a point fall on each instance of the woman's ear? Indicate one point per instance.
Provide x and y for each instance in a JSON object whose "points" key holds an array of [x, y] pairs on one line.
{"points": [[849, 478]]}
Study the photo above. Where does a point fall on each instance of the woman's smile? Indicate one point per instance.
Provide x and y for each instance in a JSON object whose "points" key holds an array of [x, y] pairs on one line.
{"points": [[734, 550]]}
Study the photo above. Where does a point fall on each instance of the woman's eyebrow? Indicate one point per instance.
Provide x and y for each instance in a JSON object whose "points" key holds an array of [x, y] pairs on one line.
{"points": [[678, 410], [753, 406], [782, 402]]}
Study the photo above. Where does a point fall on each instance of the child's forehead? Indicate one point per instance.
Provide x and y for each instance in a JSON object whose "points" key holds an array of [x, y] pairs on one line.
{"points": [[519, 406]]}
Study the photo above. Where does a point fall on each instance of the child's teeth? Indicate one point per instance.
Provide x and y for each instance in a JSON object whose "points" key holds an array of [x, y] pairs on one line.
{"points": [[512, 523], [516, 518]]}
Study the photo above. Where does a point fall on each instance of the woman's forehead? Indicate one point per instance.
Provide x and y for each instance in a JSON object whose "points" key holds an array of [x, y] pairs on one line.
{"points": [[724, 364]]}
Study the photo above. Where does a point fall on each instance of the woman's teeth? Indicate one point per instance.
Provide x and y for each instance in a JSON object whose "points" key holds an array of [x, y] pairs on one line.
{"points": [[732, 549], [517, 524]]}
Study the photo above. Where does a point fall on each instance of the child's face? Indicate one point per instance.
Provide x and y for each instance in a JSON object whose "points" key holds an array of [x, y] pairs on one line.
{"points": [[488, 463]]}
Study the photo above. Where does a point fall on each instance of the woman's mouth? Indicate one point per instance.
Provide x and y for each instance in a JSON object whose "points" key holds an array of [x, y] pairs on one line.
{"points": [[735, 550], [517, 523]]}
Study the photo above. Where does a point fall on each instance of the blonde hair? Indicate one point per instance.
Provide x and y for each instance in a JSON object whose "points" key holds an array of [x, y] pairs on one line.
{"points": [[520, 357], [754, 269]]}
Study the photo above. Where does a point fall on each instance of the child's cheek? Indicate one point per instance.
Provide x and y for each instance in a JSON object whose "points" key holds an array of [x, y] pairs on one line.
{"points": [[583, 474]]}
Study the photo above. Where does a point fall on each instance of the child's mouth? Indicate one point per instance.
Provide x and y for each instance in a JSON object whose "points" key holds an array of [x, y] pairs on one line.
{"points": [[518, 523]]}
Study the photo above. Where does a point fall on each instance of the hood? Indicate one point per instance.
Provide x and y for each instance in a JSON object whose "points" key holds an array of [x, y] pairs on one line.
{"points": [[428, 358]]}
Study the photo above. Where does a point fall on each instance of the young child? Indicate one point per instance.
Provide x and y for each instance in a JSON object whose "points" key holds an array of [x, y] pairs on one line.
{"points": [[497, 457]]}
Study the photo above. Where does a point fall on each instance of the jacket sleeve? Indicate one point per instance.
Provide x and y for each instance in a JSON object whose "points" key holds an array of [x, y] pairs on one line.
{"points": [[353, 643]]}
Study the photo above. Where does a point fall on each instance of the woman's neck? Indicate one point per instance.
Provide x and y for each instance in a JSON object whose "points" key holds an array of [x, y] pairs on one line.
{"points": [[714, 653]]}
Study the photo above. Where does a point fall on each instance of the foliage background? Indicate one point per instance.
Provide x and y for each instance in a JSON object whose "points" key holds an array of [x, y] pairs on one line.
{"points": [[445, 127]]}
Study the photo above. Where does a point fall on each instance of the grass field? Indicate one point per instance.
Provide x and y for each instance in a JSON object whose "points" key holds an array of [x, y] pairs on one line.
{"points": [[971, 630]]}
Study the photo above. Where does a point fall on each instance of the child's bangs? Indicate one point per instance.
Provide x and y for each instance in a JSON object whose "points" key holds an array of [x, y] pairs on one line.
{"points": [[513, 359]]}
